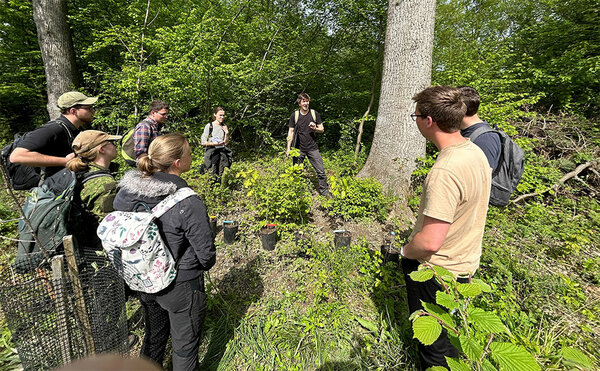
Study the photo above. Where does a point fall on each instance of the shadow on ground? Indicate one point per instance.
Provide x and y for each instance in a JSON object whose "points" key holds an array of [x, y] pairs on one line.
{"points": [[238, 289]]}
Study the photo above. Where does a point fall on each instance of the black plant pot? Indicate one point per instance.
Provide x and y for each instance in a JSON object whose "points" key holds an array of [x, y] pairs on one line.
{"points": [[230, 229], [268, 236], [341, 238]]}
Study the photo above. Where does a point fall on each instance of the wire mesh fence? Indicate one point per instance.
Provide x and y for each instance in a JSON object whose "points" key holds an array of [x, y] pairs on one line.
{"points": [[58, 314]]}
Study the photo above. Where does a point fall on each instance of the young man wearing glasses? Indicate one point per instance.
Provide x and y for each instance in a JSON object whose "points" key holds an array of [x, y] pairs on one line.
{"points": [[453, 209], [150, 127], [49, 146]]}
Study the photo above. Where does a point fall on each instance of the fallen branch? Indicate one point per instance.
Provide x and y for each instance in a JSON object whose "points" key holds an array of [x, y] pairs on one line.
{"points": [[561, 181]]}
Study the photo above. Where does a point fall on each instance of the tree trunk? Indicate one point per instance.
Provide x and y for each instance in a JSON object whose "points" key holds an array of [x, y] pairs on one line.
{"points": [[406, 71], [56, 45]]}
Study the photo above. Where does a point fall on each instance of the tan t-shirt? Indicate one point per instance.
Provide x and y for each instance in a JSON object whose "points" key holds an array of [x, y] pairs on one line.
{"points": [[457, 190]]}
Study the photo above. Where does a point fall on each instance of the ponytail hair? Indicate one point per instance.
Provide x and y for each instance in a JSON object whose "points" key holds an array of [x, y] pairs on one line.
{"points": [[163, 151], [82, 160]]}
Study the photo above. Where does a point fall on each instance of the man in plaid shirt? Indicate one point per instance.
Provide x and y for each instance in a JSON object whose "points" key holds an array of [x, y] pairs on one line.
{"points": [[149, 128]]}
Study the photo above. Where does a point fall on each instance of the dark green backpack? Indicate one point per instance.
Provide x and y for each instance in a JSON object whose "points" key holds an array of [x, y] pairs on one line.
{"points": [[54, 210]]}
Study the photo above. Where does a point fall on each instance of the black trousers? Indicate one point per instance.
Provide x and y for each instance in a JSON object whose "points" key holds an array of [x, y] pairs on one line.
{"points": [[315, 159], [429, 355], [179, 311]]}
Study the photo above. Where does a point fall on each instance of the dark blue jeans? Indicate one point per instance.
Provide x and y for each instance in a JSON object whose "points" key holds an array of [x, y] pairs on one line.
{"points": [[179, 311], [429, 355], [315, 159]]}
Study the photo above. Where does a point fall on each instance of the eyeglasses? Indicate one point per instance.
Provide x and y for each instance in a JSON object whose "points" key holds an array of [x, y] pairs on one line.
{"points": [[88, 108], [164, 114], [414, 116]]}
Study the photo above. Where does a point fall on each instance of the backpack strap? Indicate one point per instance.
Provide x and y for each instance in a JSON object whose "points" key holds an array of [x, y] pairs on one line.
{"points": [[210, 130], [313, 114], [296, 115], [481, 130], [171, 200]]}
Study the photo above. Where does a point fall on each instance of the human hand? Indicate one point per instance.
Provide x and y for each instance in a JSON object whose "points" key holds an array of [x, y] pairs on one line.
{"points": [[70, 156], [225, 129], [312, 125]]}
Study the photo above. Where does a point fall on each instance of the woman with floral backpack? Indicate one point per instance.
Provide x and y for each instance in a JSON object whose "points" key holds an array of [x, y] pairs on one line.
{"points": [[179, 309]]}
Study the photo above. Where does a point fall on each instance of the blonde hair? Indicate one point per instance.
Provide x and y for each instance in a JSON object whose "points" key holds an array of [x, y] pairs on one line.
{"points": [[82, 160], [162, 152]]}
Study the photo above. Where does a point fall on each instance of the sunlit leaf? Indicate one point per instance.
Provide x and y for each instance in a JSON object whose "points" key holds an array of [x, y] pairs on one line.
{"points": [[468, 289], [439, 312], [576, 356], [471, 347], [486, 322], [482, 285], [446, 300], [511, 357], [457, 365], [426, 329], [421, 275]]}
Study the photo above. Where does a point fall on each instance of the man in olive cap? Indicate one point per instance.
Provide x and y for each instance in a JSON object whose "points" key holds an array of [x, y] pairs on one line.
{"points": [[49, 146]]}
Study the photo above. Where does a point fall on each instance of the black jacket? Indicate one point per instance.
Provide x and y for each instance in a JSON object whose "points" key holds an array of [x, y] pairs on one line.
{"points": [[184, 228]]}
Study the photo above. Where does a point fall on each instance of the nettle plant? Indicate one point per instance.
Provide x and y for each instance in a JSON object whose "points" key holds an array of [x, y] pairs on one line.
{"points": [[474, 331]]}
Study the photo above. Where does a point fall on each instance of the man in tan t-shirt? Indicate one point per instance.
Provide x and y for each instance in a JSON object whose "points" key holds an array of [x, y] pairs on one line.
{"points": [[453, 209]]}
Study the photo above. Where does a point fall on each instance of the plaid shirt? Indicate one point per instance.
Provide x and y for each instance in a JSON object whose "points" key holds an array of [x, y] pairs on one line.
{"points": [[145, 132]]}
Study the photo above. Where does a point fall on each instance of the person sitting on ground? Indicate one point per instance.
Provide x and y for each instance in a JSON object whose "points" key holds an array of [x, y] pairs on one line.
{"points": [[179, 309], [215, 138]]}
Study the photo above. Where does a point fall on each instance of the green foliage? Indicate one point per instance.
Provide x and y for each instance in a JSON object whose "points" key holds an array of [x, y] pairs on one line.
{"points": [[9, 359], [478, 331], [357, 198], [281, 193]]}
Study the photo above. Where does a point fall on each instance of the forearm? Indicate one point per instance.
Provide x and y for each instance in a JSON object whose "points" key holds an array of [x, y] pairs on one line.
{"points": [[418, 248], [31, 158]]}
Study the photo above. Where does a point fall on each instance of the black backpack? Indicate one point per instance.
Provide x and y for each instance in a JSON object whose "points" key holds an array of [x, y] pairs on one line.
{"points": [[510, 167], [23, 177]]}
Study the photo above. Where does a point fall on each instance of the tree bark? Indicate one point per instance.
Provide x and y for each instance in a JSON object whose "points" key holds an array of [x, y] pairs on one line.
{"points": [[56, 45], [406, 70]]}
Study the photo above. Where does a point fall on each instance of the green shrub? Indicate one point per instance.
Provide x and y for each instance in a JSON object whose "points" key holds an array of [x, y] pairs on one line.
{"points": [[357, 198]]}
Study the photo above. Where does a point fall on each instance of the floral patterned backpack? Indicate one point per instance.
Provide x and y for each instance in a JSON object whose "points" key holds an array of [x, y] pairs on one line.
{"points": [[136, 249]]}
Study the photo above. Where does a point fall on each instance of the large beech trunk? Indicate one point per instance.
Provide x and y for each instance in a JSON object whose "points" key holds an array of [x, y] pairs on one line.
{"points": [[406, 70], [56, 45]]}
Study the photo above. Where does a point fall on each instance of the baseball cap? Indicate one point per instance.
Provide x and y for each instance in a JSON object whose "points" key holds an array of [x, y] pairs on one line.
{"points": [[73, 98], [89, 139]]}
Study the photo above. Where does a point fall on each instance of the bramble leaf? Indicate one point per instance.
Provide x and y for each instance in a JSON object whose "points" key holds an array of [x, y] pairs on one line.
{"points": [[446, 300], [457, 365], [421, 275], [482, 285], [485, 321], [472, 349], [513, 357], [468, 289], [439, 312], [426, 329], [437, 368], [576, 356]]}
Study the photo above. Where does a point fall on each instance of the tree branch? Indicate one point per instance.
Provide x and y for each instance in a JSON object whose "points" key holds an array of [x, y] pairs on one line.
{"points": [[561, 181]]}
